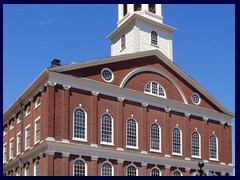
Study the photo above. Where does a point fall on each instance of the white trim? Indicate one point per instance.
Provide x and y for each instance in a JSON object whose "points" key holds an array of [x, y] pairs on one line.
{"points": [[107, 69], [38, 119], [36, 105], [25, 170], [25, 138], [35, 166], [181, 152], [155, 167], [85, 132], [200, 149], [28, 113], [5, 130], [84, 164], [5, 145], [111, 166], [19, 133], [11, 146], [160, 138], [112, 136], [133, 166], [214, 159], [128, 146], [140, 70]]}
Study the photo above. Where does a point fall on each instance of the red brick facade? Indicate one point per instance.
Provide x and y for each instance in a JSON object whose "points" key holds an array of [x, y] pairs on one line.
{"points": [[58, 102]]}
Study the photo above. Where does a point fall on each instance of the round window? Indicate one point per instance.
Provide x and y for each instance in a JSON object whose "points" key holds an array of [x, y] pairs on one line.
{"points": [[196, 99], [107, 75]]}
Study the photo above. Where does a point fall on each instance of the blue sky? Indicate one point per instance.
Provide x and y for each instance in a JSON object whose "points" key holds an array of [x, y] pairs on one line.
{"points": [[33, 35]]}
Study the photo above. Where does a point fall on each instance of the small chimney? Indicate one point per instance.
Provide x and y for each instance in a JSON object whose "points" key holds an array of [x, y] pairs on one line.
{"points": [[55, 63]]}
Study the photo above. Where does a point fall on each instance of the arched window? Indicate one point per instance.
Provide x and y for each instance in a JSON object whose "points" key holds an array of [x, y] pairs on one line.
{"points": [[195, 144], [80, 124], [213, 147], [155, 89], [107, 169], [137, 7], [154, 38], [155, 172], [155, 137], [80, 168], [176, 141], [107, 129], [152, 8], [177, 173], [123, 42], [132, 170], [132, 133]]}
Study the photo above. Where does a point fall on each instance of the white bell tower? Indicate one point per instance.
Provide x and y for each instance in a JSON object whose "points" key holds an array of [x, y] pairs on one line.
{"points": [[140, 28]]}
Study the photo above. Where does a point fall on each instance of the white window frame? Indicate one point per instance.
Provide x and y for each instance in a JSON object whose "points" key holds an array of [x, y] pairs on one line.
{"points": [[160, 173], [28, 110], [4, 152], [128, 146], [156, 45], [5, 131], [107, 69], [84, 164], [12, 125], [27, 127], [11, 148], [133, 166], [85, 133], [160, 139], [177, 170], [174, 153], [19, 148], [193, 156], [26, 169], [38, 120], [35, 167], [214, 159], [37, 104], [111, 166], [157, 95], [112, 136], [19, 119]]}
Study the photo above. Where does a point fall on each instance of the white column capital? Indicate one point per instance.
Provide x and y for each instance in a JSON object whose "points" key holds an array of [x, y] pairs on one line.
{"points": [[94, 158], [167, 109], [41, 155], [50, 153], [187, 114], [187, 169], [120, 99], [167, 166], [144, 164], [222, 122], [144, 105], [49, 83], [66, 87], [205, 118], [95, 93], [14, 116], [30, 99], [65, 155], [41, 89], [120, 161]]}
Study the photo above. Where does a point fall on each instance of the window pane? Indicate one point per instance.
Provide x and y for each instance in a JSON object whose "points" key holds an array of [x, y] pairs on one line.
{"points": [[176, 141], [195, 144], [131, 171], [106, 128], [79, 123], [155, 139], [131, 133], [79, 168], [106, 169]]}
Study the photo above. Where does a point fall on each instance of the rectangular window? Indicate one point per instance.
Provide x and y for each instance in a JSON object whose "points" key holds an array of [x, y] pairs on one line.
{"points": [[28, 111], [4, 152], [19, 119], [11, 125], [37, 130], [27, 137], [19, 143], [11, 146], [37, 102], [5, 131]]}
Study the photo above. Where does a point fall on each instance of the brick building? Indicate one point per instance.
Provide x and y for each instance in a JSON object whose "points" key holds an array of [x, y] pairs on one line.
{"points": [[134, 113]]}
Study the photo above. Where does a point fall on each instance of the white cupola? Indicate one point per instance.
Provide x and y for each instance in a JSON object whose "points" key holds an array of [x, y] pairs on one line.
{"points": [[141, 28]]}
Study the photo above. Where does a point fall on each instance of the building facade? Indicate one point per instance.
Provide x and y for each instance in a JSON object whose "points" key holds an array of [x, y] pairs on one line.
{"points": [[135, 113]]}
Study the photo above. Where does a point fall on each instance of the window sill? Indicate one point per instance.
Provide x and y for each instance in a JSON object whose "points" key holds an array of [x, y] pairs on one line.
{"points": [[27, 115], [37, 142], [196, 157], [79, 139], [177, 154], [108, 144], [131, 147], [36, 106], [154, 150], [27, 148], [18, 122], [211, 159]]}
